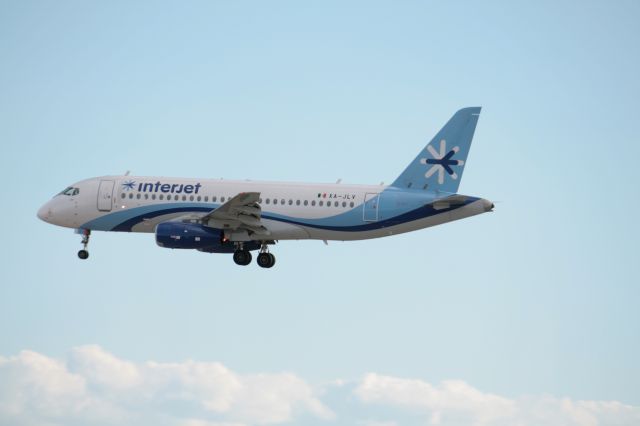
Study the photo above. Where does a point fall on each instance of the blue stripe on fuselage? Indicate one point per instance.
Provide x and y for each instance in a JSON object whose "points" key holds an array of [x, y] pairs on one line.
{"points": [[350, 221], [410, 216]]}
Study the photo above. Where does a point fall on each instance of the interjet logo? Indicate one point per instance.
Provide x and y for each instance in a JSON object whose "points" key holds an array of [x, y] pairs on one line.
{"points": [[171, 188], [441, 161], [128, 185]]}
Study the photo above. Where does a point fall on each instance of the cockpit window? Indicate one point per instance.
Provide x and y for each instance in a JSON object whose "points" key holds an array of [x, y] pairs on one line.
{"points": [[70, 191]]}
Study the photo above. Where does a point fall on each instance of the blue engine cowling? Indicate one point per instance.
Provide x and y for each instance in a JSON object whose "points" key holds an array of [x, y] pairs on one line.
{"points": [[180, 235]]}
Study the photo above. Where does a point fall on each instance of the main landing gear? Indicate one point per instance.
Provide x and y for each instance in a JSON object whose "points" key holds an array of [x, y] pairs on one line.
{"points": [[84, 254], [243, 257], [266, 259]]}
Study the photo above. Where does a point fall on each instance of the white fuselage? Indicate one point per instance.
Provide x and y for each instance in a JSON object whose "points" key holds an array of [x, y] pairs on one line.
{"points": [[289, 210]]}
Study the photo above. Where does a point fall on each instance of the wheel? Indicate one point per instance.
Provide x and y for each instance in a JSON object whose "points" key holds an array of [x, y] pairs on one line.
{"points": [[83, 254], [265, 260], [242, 257], [238, 257], [273, 260]]}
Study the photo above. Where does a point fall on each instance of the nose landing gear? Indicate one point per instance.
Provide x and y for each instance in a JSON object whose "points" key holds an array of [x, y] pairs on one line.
{"points": [[84, 254]]}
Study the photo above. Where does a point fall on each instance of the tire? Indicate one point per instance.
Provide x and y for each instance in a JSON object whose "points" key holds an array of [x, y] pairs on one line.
{"points": [[272, 259], [264, 260], [242, 257], [83, 254]]}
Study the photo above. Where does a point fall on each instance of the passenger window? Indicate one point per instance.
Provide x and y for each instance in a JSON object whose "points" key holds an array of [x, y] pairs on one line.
{"points": [[290, 202], [297, 202], [206, 198], [320, 203], [199, 198], [184, 198], [344, 204], [351, 204], [153, 196], [222, 199], [306, 202], [267, 201], [146, 196], [328, 203], [123, 195], [214, 198], [282, 201], [335, 204], [130, 195], [191, 198], [313, 203]]}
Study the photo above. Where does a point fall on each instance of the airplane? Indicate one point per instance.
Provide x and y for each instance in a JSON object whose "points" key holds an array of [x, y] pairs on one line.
{"points": [[233, 216]]}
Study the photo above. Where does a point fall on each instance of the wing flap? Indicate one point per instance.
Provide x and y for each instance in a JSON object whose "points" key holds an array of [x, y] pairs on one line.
{"points": [[239, 212]]}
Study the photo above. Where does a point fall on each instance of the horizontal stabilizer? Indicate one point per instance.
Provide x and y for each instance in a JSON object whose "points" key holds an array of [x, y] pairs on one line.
{"points": [[448, 202]]}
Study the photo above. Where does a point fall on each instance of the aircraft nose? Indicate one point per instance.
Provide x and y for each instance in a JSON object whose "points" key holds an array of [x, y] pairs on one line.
{"points": [[45, 213]]}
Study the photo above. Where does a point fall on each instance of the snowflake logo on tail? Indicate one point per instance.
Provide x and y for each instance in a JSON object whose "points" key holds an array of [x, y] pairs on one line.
{"points": [[442, 161]]}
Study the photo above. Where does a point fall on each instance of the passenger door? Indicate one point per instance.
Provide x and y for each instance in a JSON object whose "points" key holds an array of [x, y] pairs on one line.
{"points": [[371, 202], [105, 194]]}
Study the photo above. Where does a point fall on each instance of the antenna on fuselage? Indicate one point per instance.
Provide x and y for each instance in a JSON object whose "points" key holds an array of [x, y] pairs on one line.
{"points": [[339, 180], [127, 172]]}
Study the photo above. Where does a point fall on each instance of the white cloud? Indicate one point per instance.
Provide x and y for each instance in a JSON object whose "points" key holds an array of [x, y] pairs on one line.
{"points": [[34, 387], [198, 422], [101, 368], [456, 402], [377, 423], [96, 387], [93, 387], [453, 396]]}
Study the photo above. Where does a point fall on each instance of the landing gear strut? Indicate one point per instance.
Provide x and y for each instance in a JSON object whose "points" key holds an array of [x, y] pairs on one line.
{"points": [[83, 254], [266, 259]]}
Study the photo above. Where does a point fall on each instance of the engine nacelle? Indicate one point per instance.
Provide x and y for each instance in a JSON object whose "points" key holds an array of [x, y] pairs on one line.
{"points": [[183, 235], [180, 235]]}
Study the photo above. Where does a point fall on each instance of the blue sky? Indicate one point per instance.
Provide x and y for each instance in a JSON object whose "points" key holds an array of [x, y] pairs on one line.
{"points": [[539, 298]]}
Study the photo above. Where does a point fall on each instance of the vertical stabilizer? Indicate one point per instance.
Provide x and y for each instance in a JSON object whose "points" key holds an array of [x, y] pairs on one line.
{"points": [[440, 164]]}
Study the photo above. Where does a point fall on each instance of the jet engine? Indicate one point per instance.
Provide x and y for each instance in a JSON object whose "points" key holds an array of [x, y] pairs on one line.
{"points": [[182, 235]]}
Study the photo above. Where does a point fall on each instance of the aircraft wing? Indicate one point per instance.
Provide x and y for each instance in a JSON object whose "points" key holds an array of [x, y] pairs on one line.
{"points": [[241, 212]]}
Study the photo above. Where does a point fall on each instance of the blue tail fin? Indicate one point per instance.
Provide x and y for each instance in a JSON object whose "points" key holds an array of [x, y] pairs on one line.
{"points": [[439, 166]]}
